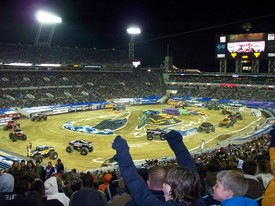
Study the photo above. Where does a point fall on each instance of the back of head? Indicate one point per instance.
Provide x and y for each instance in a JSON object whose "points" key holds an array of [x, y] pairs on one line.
{"points": [[250, 167], [6, 183], [38, 186], [87, 180], [87, 196], [185, 184], [214, 165], [233, 180], [156, 177]]}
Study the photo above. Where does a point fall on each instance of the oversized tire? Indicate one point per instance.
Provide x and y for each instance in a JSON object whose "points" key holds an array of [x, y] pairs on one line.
{"points": [[228, 125], [150, 137], [199, 129], [70, 149], [45, 118], [38, 157], [11, 135], [14, 138], [24, 137], [207, 131], [213, 129], [162, 137], [220, 125], [84, 151], [91, 149], [53, 155], [5, 128]]}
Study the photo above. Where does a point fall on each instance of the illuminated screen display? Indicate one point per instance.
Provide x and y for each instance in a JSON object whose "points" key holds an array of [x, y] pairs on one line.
{"points": [[245, 46]]}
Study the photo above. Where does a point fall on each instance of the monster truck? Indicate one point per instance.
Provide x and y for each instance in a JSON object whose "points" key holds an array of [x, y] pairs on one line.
{"points": [[206, 126], [43, 151], [228, 122], [239, 116], [80, 145], [213, 106], [11, 124], [111, 162], [39, 117], [226, 111], [16, 134], [151, 133]]}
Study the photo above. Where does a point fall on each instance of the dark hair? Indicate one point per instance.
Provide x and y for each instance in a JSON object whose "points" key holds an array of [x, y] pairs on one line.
{"points": [[185, 184], [87, 180], [250, 166], [214, 165]]}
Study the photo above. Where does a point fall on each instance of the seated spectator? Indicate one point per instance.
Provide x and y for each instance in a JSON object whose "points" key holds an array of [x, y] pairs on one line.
{"points": [[255, 187], [106, 181], [230, 188]]}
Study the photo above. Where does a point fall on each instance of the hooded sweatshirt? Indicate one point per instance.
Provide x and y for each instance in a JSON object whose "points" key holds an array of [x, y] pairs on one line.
{"points": [[51, 191]]}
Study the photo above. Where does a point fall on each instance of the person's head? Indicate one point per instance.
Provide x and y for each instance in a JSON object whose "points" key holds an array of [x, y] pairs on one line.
{"points": [[214, 165], [182, 185], [23, 163], [15, 164], [50, 164], [30, 164], [156, 178], [6, 182], [250, 166], [38, 186], [37, 163], [34, 198], [87, 180], [87, 196], [229, 183], [264, 166]]}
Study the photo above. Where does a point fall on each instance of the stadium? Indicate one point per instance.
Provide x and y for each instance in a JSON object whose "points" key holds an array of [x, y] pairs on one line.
{"points": [[80, 90]]}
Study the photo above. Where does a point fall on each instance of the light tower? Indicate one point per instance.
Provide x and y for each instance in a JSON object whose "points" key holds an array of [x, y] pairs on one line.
{"points": [[133, 31], [45, 19]]}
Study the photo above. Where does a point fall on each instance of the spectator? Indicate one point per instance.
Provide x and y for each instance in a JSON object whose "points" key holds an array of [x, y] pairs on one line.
{"points": [[122, 197], [255, 187], [264, 173], [106, 182], [182, 183], [49, 170], [14, 170], [156, 178], [230, 188], [31, 170], [34, 199], [40, 170], [51, 191], [221, 155], [87, 194], [39, 187], [59, 167], [7, 189]]}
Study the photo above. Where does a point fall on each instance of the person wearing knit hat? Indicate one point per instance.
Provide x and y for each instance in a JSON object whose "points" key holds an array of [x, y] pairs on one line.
{"points": [[106, 182]]}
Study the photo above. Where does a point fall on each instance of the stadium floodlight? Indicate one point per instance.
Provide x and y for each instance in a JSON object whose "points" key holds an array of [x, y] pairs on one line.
{"points": [[133, 31], [46, 18]]}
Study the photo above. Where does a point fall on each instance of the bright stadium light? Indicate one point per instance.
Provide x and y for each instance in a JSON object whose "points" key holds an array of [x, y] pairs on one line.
{"points": [[133, 31], [49, 19]]}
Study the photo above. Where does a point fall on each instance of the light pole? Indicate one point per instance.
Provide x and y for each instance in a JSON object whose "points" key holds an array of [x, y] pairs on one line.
{"points": [[133, 31], [45, 18]]}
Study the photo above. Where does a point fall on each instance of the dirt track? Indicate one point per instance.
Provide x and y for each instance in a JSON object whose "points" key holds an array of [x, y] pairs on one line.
{"points": [[52, 133]]}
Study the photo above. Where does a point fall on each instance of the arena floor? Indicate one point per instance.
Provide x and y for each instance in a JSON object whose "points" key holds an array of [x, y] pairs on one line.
{"points": [[52, 133]]}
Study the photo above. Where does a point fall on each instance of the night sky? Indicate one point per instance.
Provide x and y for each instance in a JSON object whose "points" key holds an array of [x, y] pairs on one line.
{"points": [[186, 31]]}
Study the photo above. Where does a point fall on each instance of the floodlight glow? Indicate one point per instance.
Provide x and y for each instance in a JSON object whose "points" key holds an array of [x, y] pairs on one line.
{"points": [[45, 17], [133, 30]]}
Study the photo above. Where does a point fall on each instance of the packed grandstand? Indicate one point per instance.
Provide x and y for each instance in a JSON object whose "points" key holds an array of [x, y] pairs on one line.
{"points": [[94, 79]]}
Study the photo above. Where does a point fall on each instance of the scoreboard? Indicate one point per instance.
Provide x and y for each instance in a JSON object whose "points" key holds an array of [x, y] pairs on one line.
{"points": [[245, 46]]}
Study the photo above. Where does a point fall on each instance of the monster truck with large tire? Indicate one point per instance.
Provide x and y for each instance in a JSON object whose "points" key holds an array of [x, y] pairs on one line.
{"points": [[80, 145], [228, 122], [206, 126], [11, 124], [39, 117], [16, 134], [43, 151], [152, 133]]}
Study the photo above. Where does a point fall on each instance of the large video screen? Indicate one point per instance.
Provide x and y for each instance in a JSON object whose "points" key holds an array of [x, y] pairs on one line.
{"points": [[246, 46]]}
